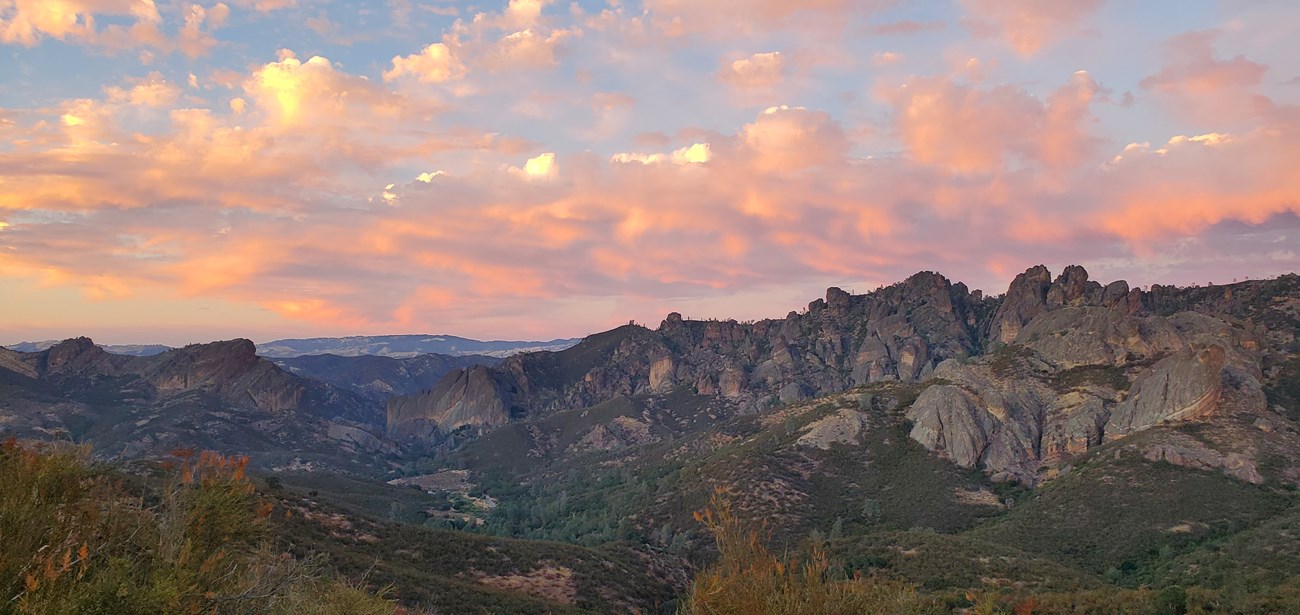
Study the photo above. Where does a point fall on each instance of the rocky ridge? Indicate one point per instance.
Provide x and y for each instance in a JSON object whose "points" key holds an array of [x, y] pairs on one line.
{"points": [[219, 395], [1019, 384]]}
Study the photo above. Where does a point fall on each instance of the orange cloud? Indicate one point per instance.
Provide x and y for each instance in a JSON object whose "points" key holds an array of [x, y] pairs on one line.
{"points": [[27, 22], [677, 18], [155, 92], [1192, 183], [434, 64]]}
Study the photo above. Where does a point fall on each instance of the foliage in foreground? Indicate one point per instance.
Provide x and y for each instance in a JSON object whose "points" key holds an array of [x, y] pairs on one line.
{"points": [[77, 539], [748, 579]]}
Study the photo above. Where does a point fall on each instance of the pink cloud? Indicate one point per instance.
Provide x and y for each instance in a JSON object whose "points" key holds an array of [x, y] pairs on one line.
{"points": [[969, 130], [1205, 88], [760, 70], [1028, 25], [339, 200]]}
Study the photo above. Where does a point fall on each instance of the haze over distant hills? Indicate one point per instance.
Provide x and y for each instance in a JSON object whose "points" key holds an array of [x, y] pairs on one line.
{"points": [[395, 346], [137, 350], [400, 346]]}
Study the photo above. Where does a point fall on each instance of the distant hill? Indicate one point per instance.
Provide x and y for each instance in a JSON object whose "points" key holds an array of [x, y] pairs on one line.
{"points": [[135, 350], [218, 396], [378, 378], [401, 346]]}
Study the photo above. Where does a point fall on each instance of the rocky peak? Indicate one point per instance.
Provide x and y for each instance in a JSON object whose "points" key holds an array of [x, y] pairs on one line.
{"points": [[74, 356], [1025, 298], [838, 300], [1071, 287], [1033, 292]]}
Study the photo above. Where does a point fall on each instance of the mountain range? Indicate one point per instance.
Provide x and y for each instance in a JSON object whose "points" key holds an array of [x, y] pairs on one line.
{"points": [[1064, 436]]}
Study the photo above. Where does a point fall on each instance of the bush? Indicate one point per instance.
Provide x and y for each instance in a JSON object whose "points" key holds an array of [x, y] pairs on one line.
{"points": [[749, 580], [78, 539]]}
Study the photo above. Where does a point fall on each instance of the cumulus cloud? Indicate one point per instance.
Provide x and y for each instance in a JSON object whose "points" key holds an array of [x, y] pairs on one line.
{"points": [[542, 165], [760, 70], [729, 18], [434, 64], [153, 92], [27, 22], [696, 153]]}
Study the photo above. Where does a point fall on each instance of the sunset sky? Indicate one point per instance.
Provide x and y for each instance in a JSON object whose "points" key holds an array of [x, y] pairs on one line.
{"points": [[173, 171]]}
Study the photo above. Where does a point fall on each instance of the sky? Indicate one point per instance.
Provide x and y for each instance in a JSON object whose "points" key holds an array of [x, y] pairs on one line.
{"points": [[175, 171]]}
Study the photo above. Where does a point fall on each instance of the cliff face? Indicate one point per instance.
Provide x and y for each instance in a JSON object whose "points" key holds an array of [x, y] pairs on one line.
{"points": [[470, 397]]}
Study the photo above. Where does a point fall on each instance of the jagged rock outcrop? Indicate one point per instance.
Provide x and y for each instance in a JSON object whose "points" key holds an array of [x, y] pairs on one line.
{"points": [[1030, 380], [1073, 336], [232, 370], [470, 397], [1089, 367], [1025, 299], [949, 420], [898, 333], [1033, 292]]}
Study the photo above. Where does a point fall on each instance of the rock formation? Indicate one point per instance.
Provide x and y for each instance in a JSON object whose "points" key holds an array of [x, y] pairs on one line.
{"points": [[470, 397], [896, 333]]}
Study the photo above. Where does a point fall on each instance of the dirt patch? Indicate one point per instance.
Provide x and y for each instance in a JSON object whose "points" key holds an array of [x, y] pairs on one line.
{"points": [[550, 582], [977, 497], [446, 480]]}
